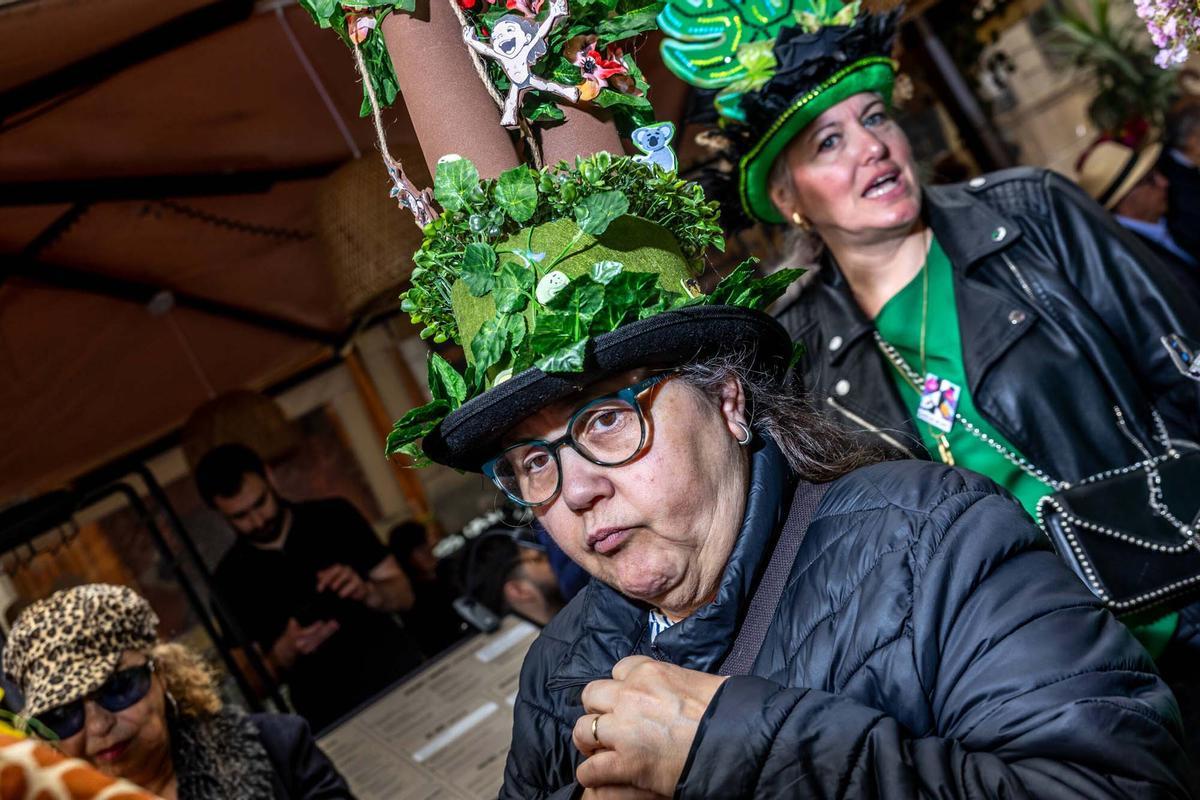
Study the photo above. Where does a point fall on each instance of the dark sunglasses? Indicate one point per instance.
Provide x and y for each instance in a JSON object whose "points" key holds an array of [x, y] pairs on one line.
{"points": [[122, 689]]}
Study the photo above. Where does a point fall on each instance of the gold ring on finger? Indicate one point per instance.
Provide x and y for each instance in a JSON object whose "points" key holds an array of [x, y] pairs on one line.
{"points": [[595, 733]]}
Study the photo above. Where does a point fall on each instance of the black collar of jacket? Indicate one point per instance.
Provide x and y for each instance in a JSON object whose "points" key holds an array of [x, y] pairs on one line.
{"points": [[968, 230], [614, 625]]}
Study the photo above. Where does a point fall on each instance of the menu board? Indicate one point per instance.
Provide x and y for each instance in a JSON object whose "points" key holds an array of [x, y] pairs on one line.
{"points": [[444, 732]]}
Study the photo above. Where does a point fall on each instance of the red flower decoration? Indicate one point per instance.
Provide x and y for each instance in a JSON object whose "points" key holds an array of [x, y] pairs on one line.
{"points": [[597, 69], [527, 9]]}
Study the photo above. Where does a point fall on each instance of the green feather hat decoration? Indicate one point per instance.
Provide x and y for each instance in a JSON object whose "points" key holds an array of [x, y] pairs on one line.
{"points": [[779, 64]]}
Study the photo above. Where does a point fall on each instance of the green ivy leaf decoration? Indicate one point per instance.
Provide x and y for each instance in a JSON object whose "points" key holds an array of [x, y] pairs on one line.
{"points": [[416, 424], [455, 184], [478, 269], [742, 288], [552, 331], [596, 212], [445, 383], [514, 285], [516, 193], [516, 330], [566, 359], [325, 13], [605, 271], [631, 23], [798, 351], [488, 345], [416, 455], [586, 300]]}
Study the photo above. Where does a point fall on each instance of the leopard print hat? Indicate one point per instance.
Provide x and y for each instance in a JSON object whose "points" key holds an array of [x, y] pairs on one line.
{"points": [[65, 646]]}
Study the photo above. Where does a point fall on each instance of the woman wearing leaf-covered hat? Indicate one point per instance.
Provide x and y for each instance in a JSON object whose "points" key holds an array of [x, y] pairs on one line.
{"points": [[777, 610], [1006, 325]]}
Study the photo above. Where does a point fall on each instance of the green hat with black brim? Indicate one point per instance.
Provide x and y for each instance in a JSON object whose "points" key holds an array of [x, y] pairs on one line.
{"points": [[777, 69], [553, 279]]}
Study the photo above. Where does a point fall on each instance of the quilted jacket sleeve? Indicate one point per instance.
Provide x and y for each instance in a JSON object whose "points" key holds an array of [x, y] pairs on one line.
{"points": [[1034, 691], [541, 761]]}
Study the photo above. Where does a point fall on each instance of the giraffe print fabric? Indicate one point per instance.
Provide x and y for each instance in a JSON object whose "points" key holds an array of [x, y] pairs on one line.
{"points": [[31, 770]]}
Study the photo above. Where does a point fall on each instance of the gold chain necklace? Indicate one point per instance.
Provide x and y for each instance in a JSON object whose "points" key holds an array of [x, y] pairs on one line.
{"points": [[943, 443]]}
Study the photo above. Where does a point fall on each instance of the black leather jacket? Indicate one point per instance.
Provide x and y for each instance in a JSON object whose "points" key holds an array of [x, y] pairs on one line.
{"points": [[1061, 312]]}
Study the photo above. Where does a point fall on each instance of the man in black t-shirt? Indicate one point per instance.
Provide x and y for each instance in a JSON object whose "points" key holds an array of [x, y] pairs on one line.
{"points": [[311, 585]]}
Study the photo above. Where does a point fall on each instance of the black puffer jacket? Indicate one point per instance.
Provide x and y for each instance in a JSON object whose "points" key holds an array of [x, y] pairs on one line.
{"points": [[1052, 294], [927, 645]]}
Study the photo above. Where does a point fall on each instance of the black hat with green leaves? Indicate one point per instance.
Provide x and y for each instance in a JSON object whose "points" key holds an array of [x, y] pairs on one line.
{"points": [[553, 279]]}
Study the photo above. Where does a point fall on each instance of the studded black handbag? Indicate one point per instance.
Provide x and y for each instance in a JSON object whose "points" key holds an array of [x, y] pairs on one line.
{"points": [[1132, 536]]}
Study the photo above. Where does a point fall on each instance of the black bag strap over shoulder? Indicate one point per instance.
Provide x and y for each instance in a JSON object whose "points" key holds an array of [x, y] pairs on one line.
{"points": [[761, 610]]}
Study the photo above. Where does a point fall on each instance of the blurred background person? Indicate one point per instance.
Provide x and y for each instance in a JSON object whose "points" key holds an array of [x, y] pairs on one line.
{"points": [[508, 570], [432, 621], [1128, 183], [98, 682], [1180, 163], [311, 584]]}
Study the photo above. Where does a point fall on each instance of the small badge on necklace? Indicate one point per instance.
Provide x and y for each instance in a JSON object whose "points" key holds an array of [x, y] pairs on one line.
{"points": [[939, 401]]}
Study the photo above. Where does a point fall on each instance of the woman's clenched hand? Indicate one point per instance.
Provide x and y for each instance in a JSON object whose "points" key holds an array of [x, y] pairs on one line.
{"points": [[645, 718]]}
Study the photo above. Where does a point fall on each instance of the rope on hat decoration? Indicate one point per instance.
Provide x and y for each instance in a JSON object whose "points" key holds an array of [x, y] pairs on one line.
{"points": [[418, 201]]}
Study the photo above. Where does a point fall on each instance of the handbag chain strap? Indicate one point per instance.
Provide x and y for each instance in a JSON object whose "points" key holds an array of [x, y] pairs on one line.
{"points": [[1016, 460], [1149, 464]]}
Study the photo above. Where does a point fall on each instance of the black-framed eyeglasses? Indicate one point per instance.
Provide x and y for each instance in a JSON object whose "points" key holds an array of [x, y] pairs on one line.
{"points": [[122, 689], [608, 431]]}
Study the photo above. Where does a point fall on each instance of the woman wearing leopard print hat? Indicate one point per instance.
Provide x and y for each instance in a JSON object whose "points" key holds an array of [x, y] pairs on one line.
{"points": [[98, 682]]}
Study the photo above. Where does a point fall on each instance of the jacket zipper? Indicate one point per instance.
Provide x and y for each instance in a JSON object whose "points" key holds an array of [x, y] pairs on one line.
{"points": [[1020, 278], [857, 420]]}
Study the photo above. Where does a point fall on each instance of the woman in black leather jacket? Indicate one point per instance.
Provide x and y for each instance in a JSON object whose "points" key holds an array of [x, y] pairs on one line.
{"points": [[1006, 325]]}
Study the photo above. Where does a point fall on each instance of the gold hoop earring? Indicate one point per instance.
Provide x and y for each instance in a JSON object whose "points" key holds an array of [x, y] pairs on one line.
{"points": [[801, 223]]}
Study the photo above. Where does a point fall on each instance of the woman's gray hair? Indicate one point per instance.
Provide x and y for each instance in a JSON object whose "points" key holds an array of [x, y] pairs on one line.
{"points": [[815, 447]]}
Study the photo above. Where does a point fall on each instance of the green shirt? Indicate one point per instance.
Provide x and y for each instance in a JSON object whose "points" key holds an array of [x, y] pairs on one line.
{"points": [[899, 323]]}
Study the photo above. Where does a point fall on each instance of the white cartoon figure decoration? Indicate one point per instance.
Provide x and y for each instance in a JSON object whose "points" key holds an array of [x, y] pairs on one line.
{"points": [[655, 142], [517, 44], [551, 284]]}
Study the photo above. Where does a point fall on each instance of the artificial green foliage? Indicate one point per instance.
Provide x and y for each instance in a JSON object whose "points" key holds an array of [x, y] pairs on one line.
{"points": [[596, 212], [445, 383], [516, 193], [651, 194], [479, 268], [608, 202], [417, 424], [596, 302], [380, 72], [456, 184]]}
